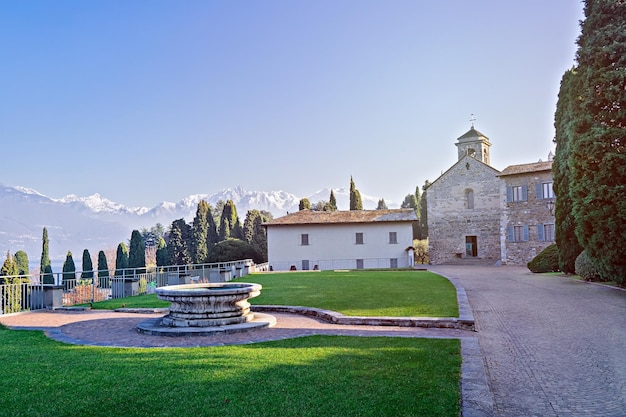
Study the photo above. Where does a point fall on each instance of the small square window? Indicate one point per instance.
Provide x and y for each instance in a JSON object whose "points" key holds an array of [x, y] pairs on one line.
{"points": [[393, 263], [393, 238], [359, 264], [304, 239], [359, 238]]}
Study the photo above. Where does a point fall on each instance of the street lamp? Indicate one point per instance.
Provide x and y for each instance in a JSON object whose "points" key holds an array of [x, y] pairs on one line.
{"points": [[551, 207]]}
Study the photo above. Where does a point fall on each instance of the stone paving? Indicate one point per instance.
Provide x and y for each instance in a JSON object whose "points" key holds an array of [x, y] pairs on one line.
{"points": [[552, 346]]}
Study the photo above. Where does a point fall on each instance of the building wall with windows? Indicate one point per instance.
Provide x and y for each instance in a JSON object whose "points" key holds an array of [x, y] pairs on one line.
{"points": [[475, 211], [464, 213], [528, 216], [359, 239]]}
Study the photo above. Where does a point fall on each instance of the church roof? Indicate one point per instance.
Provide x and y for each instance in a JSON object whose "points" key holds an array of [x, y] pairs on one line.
{"points": [[526, 168], [472, 134], [351, 216]]}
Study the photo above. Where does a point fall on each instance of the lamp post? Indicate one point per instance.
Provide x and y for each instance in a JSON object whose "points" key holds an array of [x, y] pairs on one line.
{"points": [[551, 207]]}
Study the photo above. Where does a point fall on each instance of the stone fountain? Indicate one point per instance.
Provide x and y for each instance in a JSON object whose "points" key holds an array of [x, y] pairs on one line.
{"points": [[207, 309]]}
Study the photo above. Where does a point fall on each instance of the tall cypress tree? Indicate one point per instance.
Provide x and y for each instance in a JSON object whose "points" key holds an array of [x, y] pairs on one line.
{"points": [[423, 217], [9, 268], [597, 157], [87, 265], [381, 205], [137, 252], [565, 225], [355, 197], [121, 259], [44, 267], [332, 202], [230, 226], [69, 269], [103, 266], [200, 233]]}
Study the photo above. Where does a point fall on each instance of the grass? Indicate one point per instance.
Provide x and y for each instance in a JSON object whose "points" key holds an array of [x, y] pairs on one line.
{"points": [[353, 293], [312, 376]]}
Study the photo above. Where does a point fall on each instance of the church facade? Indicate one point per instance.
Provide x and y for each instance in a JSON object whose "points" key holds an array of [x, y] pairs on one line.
{"points": [[477, 212]]}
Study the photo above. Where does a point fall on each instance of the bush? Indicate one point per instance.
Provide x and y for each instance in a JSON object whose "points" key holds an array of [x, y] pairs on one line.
{"points": [[585, 269], [546, 261]]}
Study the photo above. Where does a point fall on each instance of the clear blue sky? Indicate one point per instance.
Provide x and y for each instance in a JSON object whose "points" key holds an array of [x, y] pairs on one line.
{"points": [[148, 100]]}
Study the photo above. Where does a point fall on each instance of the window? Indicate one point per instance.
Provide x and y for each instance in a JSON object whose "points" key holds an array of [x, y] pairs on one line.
{"points": [[359, 238], [516, 193], [545, 232], [305, 264], [393, 238], [393, 263], [469, 199], [518, 233], [359, 264], [544, 190], [304, 239]]}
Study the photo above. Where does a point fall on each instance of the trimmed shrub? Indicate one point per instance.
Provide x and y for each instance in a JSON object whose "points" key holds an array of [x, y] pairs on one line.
{"points": [[585, 268], [546, 261]]}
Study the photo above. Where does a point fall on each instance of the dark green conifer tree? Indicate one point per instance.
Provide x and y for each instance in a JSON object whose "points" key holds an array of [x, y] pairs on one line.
{"points": [[382, 205], [69, 269], [121, 260], [21, 261], [332, 202], [200, 233], [162, 254], [103, 266], [355, 197], [45, 267], [568, 247], [230, 226], [87, 265], [597, 157], [137, 253], [179, 243], [9, 268]]}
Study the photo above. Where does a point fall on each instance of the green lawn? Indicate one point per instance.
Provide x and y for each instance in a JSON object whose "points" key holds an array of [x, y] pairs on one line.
{"points": [[353, 293], [312, 376]]}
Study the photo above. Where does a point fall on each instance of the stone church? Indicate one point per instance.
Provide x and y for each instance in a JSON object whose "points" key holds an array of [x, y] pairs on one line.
{"points": [[478, 213]]}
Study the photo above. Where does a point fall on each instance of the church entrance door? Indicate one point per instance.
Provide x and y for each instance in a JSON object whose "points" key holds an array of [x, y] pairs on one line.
{"points": [[471, 246]]}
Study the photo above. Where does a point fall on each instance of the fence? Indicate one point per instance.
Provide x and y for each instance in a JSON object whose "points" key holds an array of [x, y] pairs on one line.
{"points": [[68, 289]]}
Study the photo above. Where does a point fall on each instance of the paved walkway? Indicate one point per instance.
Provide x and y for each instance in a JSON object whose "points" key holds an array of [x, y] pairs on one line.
{"points": [[552, 346]]}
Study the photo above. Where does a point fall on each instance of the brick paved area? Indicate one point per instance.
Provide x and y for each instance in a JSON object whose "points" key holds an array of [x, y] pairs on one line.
{"points": [[552, 346]]}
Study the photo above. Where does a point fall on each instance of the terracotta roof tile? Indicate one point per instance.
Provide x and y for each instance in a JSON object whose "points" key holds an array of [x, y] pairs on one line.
{"points": [[352, 216], [525, 168]]}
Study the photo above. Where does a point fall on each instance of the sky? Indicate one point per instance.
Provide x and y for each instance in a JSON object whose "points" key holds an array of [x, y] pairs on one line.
{"points": [[146, 101]]}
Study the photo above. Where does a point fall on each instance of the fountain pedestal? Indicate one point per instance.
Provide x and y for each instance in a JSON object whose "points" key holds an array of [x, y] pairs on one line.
{"points": [[205, 309]]}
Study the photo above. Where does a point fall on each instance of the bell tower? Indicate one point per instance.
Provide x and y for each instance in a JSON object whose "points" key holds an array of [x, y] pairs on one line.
{"points": [[474, 144]]}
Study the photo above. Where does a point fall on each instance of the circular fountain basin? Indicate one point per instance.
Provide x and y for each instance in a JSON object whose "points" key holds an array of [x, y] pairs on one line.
{"points": [[207, 309]]}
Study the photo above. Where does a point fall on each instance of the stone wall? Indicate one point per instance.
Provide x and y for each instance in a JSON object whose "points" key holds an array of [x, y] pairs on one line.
{"points": [[451, 217]]}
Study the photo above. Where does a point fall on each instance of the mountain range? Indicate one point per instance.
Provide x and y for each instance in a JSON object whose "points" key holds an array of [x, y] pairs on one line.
{"points": [[95, 223]]}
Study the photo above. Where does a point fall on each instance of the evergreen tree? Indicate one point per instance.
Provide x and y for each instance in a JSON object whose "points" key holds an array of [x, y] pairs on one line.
{"points": [[332, 202], [162, 254], [567, 243], [255, 233], [597, 157], [305, 204], [423, 217], [121, 259], [381, 205], [230, 226], [355, 197], [69, 269], [409, 202], [200, 233], [103, 266], [137, 253], [45, 267], [87, 265], [9, 268], [179, 244], [21, 262]]}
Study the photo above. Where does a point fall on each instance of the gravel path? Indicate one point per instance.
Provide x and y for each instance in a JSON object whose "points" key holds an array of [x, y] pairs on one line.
{"points": [[552, 346]]}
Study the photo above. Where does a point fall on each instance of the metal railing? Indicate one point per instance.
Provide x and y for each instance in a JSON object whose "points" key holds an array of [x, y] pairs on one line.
{"points": [[31, 293]]}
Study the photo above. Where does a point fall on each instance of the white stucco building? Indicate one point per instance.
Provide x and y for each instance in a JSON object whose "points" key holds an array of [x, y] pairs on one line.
{"points": [[357, 239]]}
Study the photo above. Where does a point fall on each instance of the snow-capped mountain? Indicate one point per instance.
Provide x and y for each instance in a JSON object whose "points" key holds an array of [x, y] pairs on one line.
{"points": [[76, 223]]}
